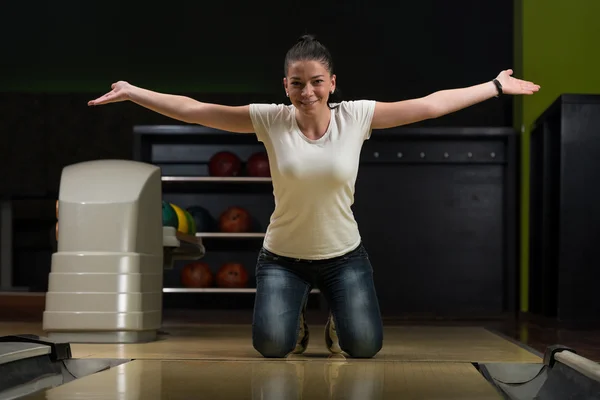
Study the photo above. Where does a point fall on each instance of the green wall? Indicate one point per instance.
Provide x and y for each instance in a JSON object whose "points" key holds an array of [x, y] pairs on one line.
{"points": [[557, 45]]}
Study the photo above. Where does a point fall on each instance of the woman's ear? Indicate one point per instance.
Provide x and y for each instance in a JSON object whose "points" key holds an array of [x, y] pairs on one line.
{"points": [[285, 87]]}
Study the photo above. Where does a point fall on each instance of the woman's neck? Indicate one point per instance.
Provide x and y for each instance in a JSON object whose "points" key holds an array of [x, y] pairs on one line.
{"points": [[314, 126]]}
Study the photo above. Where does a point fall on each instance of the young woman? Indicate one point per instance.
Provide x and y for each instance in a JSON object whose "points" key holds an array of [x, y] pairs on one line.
{"points": [[314, 146]]}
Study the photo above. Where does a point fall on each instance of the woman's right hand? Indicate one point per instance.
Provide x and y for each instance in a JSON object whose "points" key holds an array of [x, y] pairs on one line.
{"points": [[120, 92]]}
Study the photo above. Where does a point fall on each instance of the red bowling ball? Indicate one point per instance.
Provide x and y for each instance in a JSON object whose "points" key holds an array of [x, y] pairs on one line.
{"points": [[224, 164], [258, 165]]}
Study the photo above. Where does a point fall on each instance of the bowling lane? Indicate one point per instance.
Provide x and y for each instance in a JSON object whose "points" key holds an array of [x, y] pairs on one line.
{"points": [[315, 379], [233, 342]]}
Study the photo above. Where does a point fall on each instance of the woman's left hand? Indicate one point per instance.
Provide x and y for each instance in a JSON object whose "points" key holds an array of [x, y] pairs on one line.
{"points": [[512, 85]]}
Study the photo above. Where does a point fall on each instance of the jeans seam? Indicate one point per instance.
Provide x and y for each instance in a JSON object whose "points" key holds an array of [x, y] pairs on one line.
{"points": [[304, 299]]}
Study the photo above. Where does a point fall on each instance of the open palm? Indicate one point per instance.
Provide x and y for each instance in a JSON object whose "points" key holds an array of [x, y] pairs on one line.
{"points": [[512, 85], [119, 92]]}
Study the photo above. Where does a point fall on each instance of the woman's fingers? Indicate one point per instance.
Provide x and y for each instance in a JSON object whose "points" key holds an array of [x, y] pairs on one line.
{"points": [[110, 97], [118, 93], [101, 100]]}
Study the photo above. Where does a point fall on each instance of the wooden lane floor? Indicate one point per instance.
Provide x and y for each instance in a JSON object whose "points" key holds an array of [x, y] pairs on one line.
{"points": [[218, 361], [233, 342], [266, 380]]}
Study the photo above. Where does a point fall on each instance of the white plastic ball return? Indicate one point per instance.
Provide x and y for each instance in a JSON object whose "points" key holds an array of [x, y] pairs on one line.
{"points": [[106, 279]]}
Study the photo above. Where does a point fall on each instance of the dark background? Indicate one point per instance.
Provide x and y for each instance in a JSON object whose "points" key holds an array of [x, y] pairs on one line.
{"points": [[388, 52]]}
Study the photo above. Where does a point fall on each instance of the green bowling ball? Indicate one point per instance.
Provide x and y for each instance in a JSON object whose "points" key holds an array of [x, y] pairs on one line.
{"points": [[169, 216], [191, 223]]}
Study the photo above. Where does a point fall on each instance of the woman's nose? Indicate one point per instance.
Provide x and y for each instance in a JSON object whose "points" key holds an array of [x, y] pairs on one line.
{"points": [[307, 90]]}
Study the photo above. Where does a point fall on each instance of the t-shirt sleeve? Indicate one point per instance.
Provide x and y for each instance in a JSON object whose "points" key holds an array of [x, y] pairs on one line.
{"points": [[262, 116], [362, 113]]}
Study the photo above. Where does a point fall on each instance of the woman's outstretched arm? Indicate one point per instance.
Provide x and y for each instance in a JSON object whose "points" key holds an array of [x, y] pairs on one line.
{"points": [[388, 115], [182, 108]]}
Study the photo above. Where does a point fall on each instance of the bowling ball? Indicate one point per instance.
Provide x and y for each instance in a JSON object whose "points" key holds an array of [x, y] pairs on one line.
{"points": [[182, 223], [169, 216], [204, 221], [191, 223], [232, 275], [197, 275], [235, 220], [224, 163], [258, 165]]}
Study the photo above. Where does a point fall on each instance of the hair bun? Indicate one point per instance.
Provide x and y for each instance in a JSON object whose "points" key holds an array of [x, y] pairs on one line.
{"points": [[307, 38]]}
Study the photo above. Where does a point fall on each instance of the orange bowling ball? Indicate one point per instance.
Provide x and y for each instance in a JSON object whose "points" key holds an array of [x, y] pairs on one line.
{"points": [[232, 275], [235, 220], [197, 275]]}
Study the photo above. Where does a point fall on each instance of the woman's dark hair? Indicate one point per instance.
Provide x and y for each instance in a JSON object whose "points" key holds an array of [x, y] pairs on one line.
{"points": [[308, 48]]}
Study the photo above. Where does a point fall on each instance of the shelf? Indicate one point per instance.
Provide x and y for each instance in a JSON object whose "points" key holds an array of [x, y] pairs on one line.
{"points": [[217, 290], [215, 179], [237, 184], [230, 235], [180, 246]]}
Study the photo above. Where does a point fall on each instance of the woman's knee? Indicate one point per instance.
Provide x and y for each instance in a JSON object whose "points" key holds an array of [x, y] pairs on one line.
{"points": [[361, 340], [271, 348], [273, 342], [365, 347]]}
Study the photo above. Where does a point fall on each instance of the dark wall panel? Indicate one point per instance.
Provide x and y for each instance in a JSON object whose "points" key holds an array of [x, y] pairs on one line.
{"points": [[436, 236], [565, 210]]}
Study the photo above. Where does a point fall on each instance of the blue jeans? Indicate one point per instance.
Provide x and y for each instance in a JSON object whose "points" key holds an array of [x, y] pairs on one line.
{"points": [[283, 287]]}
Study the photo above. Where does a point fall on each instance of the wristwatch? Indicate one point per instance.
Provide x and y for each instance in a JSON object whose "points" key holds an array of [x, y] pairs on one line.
{"points": [[498, 87]]}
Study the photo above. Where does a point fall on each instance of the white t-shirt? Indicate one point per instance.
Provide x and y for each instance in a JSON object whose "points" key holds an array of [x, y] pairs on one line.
{"points": [[313, 180]]}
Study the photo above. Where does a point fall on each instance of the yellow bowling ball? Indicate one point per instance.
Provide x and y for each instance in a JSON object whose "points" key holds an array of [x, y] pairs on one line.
{"points": [[182, 225]]}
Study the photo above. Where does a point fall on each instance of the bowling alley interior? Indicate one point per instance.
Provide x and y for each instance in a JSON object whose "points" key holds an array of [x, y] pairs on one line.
{"points": [[129, 240]]}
